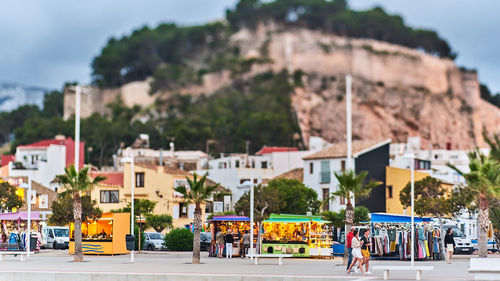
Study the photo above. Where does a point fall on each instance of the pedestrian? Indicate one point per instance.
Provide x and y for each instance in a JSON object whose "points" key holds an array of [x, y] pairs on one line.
{"points": [[356, 252], [349, 249], [219, 239], [228, 238], [245, 241], [449, 241], [365, 250]]}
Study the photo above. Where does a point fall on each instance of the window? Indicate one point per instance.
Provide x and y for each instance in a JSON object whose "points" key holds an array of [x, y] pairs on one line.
{"points": [[342, 165], [225, 165], [183, 210], [326, 194], [311, 168], [253, 164], [221, 165], [109, 196], [325, 172], [263, 164], [342, 201], [389, 191], [139, 179], [237, 163]]}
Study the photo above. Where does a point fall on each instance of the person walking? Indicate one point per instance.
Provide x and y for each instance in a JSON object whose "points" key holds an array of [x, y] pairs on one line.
{"points": [[245, 241], [228, 238], [219, 239], [356, 252], [365, 250], [450, 244], [349, 248]]}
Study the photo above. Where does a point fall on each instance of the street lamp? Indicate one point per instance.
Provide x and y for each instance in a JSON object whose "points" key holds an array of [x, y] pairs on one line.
{"points": [[28, 199], [131, 161], [409, 155], [251, 213]]}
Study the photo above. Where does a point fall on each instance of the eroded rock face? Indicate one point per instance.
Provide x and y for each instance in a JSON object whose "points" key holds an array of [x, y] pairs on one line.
{"points": [[397, 91]]}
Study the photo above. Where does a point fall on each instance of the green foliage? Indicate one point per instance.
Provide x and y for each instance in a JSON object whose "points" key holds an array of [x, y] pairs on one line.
{"points": [[287, 196], [488, 96], [226, 213], [179, 239], [8, 197], [336, 17], [159, 222], [136, 235], [350, 183], [75, 182], [62, 210], [361, 214], [197, 192]]}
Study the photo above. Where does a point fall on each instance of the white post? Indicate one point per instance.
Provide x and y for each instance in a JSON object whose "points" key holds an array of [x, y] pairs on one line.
{"points": [[77, 127], [251, 212], [28, 248], [412, 166], [132, 178], [348, 86]]}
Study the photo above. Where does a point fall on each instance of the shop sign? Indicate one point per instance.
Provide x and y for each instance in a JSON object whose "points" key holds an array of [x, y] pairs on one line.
{"points": [[44, 201]]}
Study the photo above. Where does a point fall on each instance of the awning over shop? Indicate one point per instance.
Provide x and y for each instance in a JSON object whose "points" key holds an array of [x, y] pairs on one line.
{"points": [[229, 218], [23, 215], [284, 218], [394, 218]]}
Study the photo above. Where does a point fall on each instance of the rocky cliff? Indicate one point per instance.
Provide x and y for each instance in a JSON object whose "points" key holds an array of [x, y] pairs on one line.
{"points": [[397, 91]]}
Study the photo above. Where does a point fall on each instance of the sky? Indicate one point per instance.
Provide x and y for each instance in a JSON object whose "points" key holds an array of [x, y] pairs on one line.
{"points": [[46, 43]]}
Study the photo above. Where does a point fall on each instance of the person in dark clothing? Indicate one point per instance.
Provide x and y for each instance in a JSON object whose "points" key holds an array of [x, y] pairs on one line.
{"points": [[228, 238], [449, 242]]}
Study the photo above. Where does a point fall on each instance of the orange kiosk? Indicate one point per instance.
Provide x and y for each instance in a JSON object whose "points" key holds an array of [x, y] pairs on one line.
{"points": [[103, 236]]}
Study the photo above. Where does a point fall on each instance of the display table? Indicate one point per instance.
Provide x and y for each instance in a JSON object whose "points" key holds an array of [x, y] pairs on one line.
{"points": [[298, 249], [104, 236]]}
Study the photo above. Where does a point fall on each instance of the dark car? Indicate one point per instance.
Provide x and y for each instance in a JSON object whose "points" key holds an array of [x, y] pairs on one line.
{"points": [[205, 241]]}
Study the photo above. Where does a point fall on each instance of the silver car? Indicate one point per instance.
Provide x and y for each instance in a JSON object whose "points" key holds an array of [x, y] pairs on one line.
{"points": [[154, 241]]}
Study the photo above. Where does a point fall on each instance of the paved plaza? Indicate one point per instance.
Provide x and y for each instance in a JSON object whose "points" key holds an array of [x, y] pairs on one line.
{"points": [[58, 265]]}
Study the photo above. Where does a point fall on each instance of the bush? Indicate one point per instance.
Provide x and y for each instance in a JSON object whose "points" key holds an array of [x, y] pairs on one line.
{"points": [[179, 239], [136, 235]]}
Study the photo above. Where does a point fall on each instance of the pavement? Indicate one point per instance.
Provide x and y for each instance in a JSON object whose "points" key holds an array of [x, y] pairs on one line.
{"points": [[55, 264]]}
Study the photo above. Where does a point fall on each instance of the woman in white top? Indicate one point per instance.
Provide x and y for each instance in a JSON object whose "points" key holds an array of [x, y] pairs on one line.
{"points": [[356, 252]]}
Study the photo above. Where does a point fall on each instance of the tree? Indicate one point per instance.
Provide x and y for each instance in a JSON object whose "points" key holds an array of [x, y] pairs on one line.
{"points": [[483, 182], [352, 185], [62, 210], [75, 184], [432, 198], [196, 193], [8, 197], [279, 196], [159, 222], [495, 218], [361, 214], [142, 208]]}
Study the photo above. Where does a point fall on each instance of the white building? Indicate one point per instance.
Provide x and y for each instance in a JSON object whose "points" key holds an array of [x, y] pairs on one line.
{"points": [[370, 156], [45, 159]]}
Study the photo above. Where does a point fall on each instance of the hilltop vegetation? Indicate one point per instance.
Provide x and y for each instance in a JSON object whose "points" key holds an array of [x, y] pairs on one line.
{"points": [[175, 55]]}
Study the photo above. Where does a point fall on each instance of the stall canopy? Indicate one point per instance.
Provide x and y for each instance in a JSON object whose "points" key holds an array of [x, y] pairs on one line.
{"points": [[394, 218], [229, 218], [20, 216], [284, 218]]}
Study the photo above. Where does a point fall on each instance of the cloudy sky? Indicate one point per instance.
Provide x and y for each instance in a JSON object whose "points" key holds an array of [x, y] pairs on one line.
{"points": [[45, 43]]}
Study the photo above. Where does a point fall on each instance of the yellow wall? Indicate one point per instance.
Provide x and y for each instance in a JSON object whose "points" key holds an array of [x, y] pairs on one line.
{"points": [[158, 187], [107, 207], [398, 179]]}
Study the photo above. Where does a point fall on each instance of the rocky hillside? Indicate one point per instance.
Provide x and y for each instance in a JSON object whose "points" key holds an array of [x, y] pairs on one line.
{"points": [[397, 91]]}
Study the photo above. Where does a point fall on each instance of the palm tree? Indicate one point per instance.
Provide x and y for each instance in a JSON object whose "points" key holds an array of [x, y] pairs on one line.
{"points": [[352, 186], [197, 193], [483, 181], [76, 184]]}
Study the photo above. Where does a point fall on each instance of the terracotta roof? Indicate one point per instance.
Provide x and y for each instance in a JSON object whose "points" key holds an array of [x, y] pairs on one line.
{"points": [[339, 150], [296, 174], [67, 142], [112, 178], [270, 149], [42, 144], [6, 159]]}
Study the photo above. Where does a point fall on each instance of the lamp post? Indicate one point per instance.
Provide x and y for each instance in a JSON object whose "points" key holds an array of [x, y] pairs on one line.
{"points": [[251, 212], [409, 155], [78, 90], [28, 200], [131, 161]]}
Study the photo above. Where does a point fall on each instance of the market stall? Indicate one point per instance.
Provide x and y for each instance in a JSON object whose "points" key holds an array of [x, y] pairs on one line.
{"points": [[237, 225], [302, 236], [103, 236], [14, 228]]}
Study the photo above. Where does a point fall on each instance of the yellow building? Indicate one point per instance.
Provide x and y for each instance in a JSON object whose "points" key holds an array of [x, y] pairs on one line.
{"points": [[397, 179]]}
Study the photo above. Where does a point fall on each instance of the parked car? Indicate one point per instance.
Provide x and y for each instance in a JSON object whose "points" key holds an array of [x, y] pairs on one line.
{"points": [[154, 241], [205, 241], [57, 237], [463, 245]]}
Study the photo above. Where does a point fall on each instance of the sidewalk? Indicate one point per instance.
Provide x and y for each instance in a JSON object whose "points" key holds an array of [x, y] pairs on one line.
{"points": [[58, 265]]}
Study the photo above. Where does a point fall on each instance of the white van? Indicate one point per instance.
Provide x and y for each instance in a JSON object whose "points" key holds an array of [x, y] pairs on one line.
{"points": [[57, 237]]}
